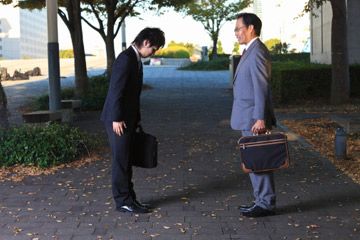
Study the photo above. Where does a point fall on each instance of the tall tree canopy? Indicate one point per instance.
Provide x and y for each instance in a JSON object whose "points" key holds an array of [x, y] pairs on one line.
{"points": [[213, 14]]}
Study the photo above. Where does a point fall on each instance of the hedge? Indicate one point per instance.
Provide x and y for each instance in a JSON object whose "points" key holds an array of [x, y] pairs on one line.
{"points": [[296, 82], [173, 52]]}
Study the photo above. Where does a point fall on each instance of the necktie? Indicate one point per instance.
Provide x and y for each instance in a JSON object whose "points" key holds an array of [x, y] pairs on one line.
{"points": [[243, 52]]}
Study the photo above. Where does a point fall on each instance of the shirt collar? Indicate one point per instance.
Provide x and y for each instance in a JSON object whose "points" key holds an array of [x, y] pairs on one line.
{"points": [[251, 41], [137, 53]]}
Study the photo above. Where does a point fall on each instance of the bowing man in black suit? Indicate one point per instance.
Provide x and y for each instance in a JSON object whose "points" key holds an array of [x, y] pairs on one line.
{"points": [[121, 114]]}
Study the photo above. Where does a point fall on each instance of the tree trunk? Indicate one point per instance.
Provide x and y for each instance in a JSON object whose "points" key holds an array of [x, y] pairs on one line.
{"points": [[4, 123], [109, 41], [340, 86], [81, 78], [110, 52], [214, 50]]}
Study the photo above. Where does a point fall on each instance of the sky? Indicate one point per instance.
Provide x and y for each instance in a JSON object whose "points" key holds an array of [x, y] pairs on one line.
{"points": [[176, 27]]}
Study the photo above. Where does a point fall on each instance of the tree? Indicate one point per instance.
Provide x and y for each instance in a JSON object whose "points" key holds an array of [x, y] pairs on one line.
{"points": [[236, 49], [72, 21], [110, 14], [107, 13], [280, 48], [213, 14], [270, 43], [340, 84]]}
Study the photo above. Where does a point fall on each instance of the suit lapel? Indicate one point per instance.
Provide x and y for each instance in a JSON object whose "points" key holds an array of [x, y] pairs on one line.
{"points": [[243, 58]]}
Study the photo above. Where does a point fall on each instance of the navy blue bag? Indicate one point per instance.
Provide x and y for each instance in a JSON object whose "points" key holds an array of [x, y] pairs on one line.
{"points": [[264, 152]]}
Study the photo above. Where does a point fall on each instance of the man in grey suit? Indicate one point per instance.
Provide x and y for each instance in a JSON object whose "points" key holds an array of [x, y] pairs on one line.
{"points": [[252, 110]]}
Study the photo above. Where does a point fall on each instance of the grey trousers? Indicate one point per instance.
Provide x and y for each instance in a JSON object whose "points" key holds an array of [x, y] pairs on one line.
{"points": [[263, 186]]}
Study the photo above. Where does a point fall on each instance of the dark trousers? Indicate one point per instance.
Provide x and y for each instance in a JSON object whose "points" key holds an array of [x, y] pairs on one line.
{"points": [[121, 168]]}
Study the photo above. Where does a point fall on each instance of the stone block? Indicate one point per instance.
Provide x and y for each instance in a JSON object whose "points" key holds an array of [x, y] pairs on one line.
{"points": [[71, 104], [42, 116]]}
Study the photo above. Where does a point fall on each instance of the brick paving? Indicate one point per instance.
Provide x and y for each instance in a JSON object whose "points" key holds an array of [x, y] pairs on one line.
{"points": [[195, 189]]}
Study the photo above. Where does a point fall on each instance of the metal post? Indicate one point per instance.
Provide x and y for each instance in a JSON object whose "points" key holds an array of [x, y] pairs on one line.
{"points": [[123, 35], [53, 56]]}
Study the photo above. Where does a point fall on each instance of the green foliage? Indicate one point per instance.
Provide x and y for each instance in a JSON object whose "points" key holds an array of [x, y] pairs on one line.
{"points": [[212, 14], [220, 63], [298, 57], [294, 82], [93, 99], [42, 102], [174, 51], [42, 146], [236, 49], [280, 48], [270, 44], [68, 53], [189, 46], [95, 95]]}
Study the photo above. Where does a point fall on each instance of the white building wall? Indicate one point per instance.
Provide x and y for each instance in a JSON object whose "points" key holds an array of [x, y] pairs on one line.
{"points": [[321, 33], [282, 20], [23, 33]]}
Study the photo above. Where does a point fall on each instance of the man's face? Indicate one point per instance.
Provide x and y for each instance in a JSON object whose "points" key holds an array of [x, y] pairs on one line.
{"points": [[147, 50], [243, 33]]}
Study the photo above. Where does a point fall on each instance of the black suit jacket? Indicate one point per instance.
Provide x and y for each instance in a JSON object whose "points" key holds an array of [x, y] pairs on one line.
{"points": [[123, 99]]}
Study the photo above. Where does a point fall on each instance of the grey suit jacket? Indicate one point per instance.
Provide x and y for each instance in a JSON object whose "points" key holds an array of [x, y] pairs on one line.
{"points": [[251, 89]]}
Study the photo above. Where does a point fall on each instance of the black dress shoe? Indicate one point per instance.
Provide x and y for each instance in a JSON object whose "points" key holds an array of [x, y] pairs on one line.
{"points": [[246, 208], [132, 209], [257, 211], [142, 205]]}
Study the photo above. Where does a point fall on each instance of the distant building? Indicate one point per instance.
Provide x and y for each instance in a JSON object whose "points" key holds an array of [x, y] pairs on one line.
{"points": [[282, 20], [321, 33], [23, 33]]}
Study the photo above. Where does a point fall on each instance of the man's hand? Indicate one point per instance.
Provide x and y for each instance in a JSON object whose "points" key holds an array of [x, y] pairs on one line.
{"points": [[258, 127], [119, 127]]}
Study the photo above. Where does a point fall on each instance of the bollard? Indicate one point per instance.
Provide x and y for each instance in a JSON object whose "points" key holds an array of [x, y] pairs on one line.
{"points": [[340, 143]]}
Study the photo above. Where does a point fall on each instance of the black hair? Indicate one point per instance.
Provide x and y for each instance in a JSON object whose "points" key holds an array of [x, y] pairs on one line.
{"points": [[251, 19], [155, 36]]}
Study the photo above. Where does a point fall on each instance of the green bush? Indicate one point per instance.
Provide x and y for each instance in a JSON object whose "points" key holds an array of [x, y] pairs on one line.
{"points": [[299, 57], [173, 52], [220, 63], [95, 96], [42, 102], [93, 99], [68, 53], [294, 82], [42, 146]]}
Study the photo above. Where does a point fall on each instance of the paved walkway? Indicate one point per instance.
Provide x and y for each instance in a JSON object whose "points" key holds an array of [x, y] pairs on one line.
{"points": [[197, 186]]}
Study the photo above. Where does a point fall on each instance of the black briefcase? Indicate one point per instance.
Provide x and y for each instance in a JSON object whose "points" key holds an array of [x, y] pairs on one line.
{"points": [[145, 150], [265, 152]]}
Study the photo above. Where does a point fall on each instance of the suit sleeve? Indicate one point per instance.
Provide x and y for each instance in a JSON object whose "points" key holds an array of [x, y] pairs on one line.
{"points": [[118, 81], [260, 76]]}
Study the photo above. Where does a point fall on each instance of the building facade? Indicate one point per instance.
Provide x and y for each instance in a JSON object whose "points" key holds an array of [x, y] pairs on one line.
{"points": [[23, 33], [284, 20], [321, 33]]}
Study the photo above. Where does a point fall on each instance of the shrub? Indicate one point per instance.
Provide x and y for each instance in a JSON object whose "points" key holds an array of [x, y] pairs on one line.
{"points": [[298, 57], [42, 102], [42, 146], [220, 63], [93, 99], [173, 52], [68, 53], [294, 82]]}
